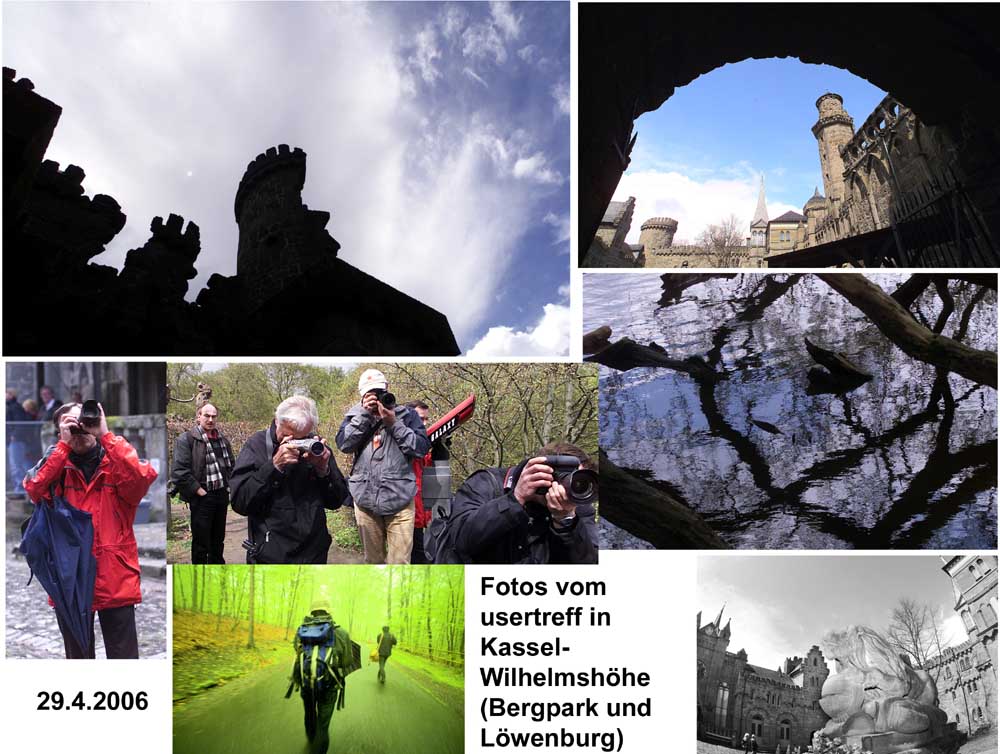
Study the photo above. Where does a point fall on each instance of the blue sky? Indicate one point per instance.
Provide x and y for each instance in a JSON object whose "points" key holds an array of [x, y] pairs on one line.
{"points": [[437, 137], [699, 156], [781, 605]]}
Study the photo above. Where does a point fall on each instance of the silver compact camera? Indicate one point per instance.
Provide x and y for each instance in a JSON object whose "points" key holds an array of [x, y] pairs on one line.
{"points": [[308, 445]]}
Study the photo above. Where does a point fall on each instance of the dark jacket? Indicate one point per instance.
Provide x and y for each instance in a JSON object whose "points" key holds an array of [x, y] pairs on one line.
{"points": [[188, 473], [286, 511], [385, 644], [382, 480], [492, 527]]}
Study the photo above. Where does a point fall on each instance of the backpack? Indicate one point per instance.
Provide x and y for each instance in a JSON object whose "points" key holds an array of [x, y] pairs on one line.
{"points": [[324, 658], [440, 534]]}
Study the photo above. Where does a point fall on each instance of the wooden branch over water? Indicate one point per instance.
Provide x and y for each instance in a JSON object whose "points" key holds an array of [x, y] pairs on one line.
{"points": [[910, 336], [651, 514], [626, 354]]}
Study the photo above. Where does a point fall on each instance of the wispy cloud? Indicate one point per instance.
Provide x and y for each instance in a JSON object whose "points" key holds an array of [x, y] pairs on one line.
{"points": [[472, 75]]}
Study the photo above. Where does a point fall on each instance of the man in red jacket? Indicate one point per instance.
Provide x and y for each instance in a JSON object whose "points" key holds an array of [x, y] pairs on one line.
{"points": [[100, 473], [421, 516]]}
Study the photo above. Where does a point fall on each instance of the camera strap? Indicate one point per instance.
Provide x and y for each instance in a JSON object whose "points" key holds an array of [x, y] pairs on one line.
{"points": [[512, 475]]}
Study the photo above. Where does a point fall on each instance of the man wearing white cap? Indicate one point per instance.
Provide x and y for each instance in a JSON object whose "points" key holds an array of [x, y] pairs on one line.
{"points": [[384, 439]]}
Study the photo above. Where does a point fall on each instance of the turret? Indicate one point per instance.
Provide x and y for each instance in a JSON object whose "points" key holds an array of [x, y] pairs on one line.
{"points": [[815, 212], [833, 130], [281, 239], [657, 234]]}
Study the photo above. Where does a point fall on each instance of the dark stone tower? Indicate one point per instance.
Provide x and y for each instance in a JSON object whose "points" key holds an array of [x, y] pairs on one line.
{"points": [[281, 239]]}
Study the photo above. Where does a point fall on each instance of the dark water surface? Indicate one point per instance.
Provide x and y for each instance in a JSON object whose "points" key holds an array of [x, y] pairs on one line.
{"points": [[908, 460]]}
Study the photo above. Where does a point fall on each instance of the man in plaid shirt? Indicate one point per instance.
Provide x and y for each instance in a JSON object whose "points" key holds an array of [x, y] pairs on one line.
{"points": [[203, 463]]}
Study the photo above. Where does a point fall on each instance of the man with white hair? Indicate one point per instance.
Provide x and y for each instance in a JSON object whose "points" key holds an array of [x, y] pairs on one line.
{"points": [[385, 439], [284, 481]]}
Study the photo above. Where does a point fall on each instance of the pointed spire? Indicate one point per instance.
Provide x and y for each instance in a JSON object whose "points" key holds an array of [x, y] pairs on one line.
{"points": [[718, 621], [760, 215]]}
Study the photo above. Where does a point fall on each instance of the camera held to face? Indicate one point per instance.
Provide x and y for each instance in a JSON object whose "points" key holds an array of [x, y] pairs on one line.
{"points": [[308, 445], [90, 417], [581, 484], [386, 398]]}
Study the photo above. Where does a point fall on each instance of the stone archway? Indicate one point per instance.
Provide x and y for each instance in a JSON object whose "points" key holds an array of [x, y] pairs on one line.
{"points": [[939, 60]]}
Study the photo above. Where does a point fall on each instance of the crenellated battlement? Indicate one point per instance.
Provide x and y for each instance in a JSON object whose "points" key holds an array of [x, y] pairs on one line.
{"points": [[170, 232], [9, 74], [664, 223], [273, 159]]}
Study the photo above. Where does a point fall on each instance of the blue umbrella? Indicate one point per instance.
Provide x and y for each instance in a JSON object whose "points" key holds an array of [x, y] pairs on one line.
{"points": [[58, 543]]}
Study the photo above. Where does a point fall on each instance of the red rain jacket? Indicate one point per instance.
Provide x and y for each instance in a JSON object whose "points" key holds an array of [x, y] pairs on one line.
{"points": [[112, 498], [421, 517]]}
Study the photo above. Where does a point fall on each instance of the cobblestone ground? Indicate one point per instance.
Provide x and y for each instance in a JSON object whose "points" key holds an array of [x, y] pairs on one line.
{"points": [[31, 624]]}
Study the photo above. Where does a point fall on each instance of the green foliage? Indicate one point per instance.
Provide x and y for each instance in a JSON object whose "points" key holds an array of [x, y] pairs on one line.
{"points": [[425, 607], [344, 530]]}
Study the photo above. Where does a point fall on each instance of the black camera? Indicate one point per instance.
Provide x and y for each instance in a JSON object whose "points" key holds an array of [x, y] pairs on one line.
{"points": [[90, 416], [580, 484], [308, 445], [386, 398]]}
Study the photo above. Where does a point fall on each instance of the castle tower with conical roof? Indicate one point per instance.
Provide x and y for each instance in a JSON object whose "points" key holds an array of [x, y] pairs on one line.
{"points": [[758, 226], [833, 130]]}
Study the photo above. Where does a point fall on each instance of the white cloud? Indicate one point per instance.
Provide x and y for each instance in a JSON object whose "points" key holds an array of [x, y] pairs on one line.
{"points": [[549, 337], [560, 93], [472, 74], [482, 41], [564, 290], [527, 53], [693, 203], [505, 19], [452, 21], [560, 225], [426, 53], [534, 168]]}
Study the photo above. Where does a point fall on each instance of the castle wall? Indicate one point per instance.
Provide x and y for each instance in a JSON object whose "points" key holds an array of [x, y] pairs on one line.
{"points": [[699, 256]]}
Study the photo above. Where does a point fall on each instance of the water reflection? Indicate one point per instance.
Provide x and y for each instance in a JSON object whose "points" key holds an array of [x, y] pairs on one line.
{"points": [[905, 460]]}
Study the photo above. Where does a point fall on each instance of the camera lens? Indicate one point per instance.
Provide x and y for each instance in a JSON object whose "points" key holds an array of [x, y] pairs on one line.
{"points": [[583, 486], [90, 414], [317, 448], [387, 399]]}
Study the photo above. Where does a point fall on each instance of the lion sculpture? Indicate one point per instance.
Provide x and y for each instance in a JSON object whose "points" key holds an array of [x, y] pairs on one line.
{"points": [[877, 698]]}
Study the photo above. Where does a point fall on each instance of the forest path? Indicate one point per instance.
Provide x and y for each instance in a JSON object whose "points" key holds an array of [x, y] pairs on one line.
{"points": [[250, 715]]}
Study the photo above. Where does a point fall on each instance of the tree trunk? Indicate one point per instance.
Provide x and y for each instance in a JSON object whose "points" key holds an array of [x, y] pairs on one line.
{"points": [[910, 336], [250, 643], [427, 610], [194, 588]]}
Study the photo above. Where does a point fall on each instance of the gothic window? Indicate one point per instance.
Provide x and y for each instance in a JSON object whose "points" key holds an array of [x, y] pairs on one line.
{"points": [[757, 726], [701, 670], [967, 618], [980, 620], [990, 614], [815, 661], [947, 671], [979, 712], [974, 570], [722, 706], [784, 730]]}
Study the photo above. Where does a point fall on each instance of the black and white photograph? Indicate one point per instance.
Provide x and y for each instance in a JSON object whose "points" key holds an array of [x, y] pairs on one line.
{"points": [[840, 654]]}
